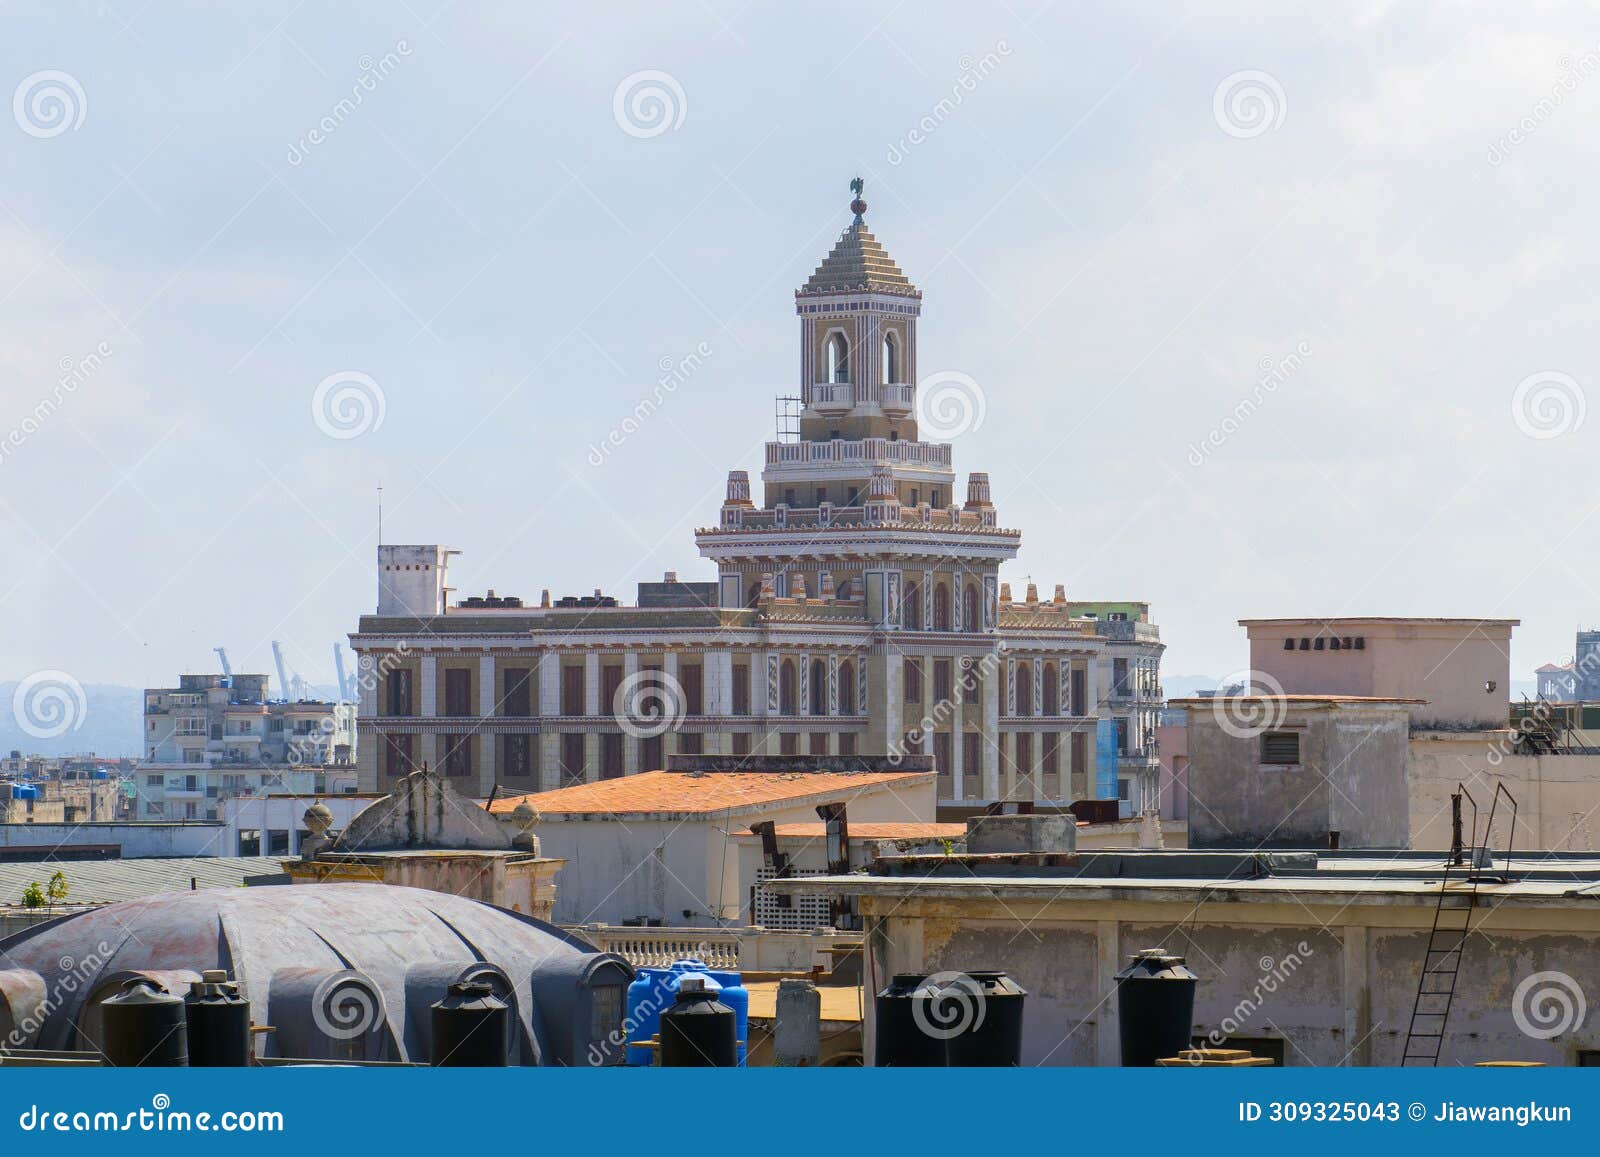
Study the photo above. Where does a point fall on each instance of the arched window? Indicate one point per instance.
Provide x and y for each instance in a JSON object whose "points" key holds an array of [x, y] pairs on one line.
{"points": [[838, 359], [970, 618], [891, 358], [912, 614], [1052, 690], [819, 687], [786, 698], [847, 687], [1024, 679], [941, 608]]}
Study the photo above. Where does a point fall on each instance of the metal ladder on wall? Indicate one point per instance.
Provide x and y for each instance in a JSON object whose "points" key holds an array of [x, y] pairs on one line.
{"points": [[1452, 923]]}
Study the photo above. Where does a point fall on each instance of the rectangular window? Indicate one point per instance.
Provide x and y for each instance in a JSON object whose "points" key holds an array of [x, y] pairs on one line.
{"points": [[516, 756], [972, 756], [1080, 690], [691, 743], [941, 681], [458, 691], [610, 684], [518, 699], [741, 743], [912, 678], [847, 743], [817, 743], [652, 754], [611, 756], [741, 690], [249, 841], [572, 757], [399, 752], [1051, 754], [941, 753], [456, 754], [1079, 749], [572, 689], [1280, 748], [789, 743], [278, 842], [691, 677], [1024, 760]]}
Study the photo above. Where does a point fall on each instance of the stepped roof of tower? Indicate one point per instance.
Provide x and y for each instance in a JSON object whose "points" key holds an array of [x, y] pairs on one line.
{"points": [[858, 261]]}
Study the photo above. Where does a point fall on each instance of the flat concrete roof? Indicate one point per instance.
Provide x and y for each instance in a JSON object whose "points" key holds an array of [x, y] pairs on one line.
{"points": [[1353, 620]]}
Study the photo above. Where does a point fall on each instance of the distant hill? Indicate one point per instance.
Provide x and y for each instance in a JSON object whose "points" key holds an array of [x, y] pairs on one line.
{"points": [[109, 724]]}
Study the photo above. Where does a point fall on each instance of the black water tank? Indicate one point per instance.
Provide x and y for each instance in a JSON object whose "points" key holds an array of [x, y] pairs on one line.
{"points": [[218, 1021], [699, 1031], [982, 1012], [902, 1041], [471, 1027], [144, 1027], [1155, 1007]]}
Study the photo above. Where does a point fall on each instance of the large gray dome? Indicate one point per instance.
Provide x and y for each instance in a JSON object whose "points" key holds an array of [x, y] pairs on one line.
{"points": [[339, 970]]}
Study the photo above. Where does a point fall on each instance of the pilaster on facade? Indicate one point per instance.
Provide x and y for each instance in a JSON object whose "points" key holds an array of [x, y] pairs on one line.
{"points": [[430, 686]]}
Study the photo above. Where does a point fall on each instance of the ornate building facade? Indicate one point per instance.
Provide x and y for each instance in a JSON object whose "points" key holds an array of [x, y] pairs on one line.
{"points": [[857, 610]]}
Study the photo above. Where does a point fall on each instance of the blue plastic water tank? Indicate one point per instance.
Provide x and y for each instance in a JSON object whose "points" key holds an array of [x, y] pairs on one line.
{"points": [[656, 989], [24, 791]]}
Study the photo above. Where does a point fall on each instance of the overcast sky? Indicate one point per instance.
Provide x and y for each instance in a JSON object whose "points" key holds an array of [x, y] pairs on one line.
{"points": [[492, 226]]}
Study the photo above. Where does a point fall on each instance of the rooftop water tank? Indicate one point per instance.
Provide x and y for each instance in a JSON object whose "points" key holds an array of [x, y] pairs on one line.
{"points": [[656, 989]]}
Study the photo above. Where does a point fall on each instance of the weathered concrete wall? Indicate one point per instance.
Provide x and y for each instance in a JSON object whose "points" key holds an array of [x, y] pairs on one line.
{"points": [[1350, 779], [1340, 995], [136, 840], [1556, 794]]}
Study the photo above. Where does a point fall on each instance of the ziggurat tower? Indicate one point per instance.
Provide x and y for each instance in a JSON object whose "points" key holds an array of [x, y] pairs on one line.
{"points": [[857, 610]]}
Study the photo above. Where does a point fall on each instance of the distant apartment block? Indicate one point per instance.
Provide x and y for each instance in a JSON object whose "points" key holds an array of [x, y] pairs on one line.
{"points": [[216, 737]]}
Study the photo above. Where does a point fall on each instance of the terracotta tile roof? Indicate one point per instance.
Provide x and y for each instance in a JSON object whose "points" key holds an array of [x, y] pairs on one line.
{"points": [[680, 792], [873, 831]]}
